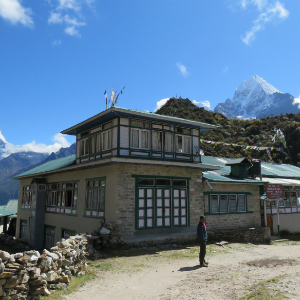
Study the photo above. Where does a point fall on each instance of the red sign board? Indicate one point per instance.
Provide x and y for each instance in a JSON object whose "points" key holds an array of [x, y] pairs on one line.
{"points": [[274, 191]]}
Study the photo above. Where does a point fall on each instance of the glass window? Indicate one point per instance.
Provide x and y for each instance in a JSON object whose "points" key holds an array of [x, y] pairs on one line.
{"points": [[95, 197], [145, 141], [146, 181], [156, 140], [179, 147], [137, 123], [214, 207], [163, 181], [92, 144], [169, 142], [107, 139], [134, 138], [241, 202], [62, 198], [179, 182], [232, 203], [223, 203]]}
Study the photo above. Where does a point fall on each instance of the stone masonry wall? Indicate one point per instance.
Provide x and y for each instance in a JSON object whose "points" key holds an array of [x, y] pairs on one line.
{"points": [[28, 274], [125, 206]]}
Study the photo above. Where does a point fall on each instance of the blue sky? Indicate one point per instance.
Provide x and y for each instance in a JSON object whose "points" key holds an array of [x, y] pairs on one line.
{"points": [[57, 57]]}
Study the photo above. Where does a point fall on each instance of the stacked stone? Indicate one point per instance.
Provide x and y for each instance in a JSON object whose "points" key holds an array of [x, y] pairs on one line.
{"points": [[107, 235], [29, 274]]}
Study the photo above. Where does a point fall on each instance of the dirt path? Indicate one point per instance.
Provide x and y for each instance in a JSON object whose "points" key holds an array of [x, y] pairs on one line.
{"points": [[175, 274]]}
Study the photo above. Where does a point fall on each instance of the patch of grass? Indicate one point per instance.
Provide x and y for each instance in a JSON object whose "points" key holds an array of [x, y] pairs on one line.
{"points": [[104, 266], [263, 291], [74, 285]]}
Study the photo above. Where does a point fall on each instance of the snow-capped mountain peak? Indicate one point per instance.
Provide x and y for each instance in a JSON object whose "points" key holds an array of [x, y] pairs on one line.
{"points": [[2, 138], [254, 98]]}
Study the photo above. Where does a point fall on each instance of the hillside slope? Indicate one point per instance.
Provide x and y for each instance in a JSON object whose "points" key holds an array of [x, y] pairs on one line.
{"points": [[257, 132]]}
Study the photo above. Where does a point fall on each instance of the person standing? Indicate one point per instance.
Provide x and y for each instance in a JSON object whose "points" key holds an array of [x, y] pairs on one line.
{"points": [[202, 236]]}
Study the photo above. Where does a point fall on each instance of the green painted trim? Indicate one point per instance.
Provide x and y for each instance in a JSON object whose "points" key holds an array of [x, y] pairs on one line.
{"points": [[159, 177], [95, 178], [92, 188], [228, 213], [227, 193], [60, 213], [66, 229], [63, 182], [163, 187], [119, 136]]}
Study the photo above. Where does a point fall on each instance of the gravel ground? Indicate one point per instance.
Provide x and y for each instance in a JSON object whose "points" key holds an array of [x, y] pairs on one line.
{"points": [[234, 271]]}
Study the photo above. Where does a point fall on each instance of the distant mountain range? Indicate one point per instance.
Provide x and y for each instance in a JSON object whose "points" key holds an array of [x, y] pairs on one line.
{"points": [[17, 163], [256, 98]]}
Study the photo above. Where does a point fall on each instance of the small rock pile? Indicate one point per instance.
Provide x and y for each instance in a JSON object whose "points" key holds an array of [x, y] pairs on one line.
{"points": [[29, 274], [104, 236]]}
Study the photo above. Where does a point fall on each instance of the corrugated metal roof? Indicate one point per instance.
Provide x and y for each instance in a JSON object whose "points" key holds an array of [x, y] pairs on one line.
{"points": [[4, 213], [237, 161], [267, 169], [2, 207], [111, 113], [282, 181], [50, 166], [214, 176], [12, 206]]}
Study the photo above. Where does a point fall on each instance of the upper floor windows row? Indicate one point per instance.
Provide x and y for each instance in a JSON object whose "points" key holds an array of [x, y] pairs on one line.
{"points": [[140, 139]]}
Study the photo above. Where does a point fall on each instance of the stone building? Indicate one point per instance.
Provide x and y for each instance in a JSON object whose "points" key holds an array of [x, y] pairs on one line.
{"points": [[140, 170]]}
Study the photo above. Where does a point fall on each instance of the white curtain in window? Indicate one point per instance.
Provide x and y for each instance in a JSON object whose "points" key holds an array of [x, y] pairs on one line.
{"points": [[104, 140], [187, 144], [145, 144], [232, 203], [134, 138], [169, 142], [156, 140], [223, 203], [109, 140]]}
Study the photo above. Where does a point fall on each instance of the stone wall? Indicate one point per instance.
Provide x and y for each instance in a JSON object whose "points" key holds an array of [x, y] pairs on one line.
{"points": [[28, 274], [250, 235]]}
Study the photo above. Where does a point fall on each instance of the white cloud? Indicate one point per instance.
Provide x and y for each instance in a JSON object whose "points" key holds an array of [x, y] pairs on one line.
{"points": [[205, 104], [55, 18], [72, 31], [69, 4], [182, 69], [276, 10], [56, 43], [14, 12], [160, 103], [67, 12], [296, 101], [260, 4], [59, 142]]}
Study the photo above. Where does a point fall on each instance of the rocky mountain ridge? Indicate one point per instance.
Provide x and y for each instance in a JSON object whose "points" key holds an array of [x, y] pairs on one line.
{"points": [[256, 98]]}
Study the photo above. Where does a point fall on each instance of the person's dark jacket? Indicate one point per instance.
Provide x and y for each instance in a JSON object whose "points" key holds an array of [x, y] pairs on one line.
{"points": [[201, 233]]}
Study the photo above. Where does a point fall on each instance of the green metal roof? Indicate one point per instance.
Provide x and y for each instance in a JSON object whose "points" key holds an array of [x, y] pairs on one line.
{"points": [[50, 166], [214, 176], [113, 112], [267, 169], [12, 206], [2, 207], [4, 213]]}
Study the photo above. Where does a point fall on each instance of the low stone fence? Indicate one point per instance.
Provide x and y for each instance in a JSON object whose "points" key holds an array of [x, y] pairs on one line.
{"points": [[28, 274], [251, 235]]}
